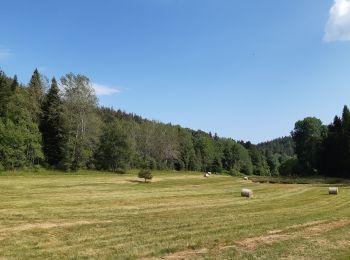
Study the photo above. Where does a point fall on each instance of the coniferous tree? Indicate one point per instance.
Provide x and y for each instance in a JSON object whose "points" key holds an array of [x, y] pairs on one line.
{"points": [[346, 141], [36, 95], [20, 139], [5, 93], [336, 147], [51, 126], [332, 149], [14, 84]]}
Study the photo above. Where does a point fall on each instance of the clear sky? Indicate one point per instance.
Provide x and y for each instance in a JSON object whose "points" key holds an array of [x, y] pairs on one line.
{"points": [[244, 69]]}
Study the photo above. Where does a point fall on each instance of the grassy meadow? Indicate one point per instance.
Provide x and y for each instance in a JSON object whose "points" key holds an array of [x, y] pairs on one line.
{"points": [[177, 216]]}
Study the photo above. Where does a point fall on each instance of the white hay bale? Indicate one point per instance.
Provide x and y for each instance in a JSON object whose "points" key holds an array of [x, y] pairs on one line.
{"points": [[206, 175], [246, 178], [247, 193], [209, 173], [333, 191]]}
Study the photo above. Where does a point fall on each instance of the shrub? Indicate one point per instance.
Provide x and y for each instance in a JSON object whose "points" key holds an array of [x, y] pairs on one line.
{"points": [[145, 174], [234, 172], [37, 168]]}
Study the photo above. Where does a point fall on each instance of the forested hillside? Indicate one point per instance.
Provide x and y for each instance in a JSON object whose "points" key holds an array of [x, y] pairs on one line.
{"points": [[60, 125], [282, 145]]}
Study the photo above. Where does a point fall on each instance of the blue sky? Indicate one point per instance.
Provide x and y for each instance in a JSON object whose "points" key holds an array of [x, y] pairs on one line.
{"points": [[244, 69]]}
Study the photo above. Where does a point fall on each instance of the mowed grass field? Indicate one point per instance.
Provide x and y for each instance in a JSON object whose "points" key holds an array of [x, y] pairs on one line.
{"points": [[177, 216]]}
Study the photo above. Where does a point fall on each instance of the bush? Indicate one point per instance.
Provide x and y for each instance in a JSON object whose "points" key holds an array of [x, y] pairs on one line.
{"points": [[37, 168], [145, 174], [290, 167], [234, 172]]}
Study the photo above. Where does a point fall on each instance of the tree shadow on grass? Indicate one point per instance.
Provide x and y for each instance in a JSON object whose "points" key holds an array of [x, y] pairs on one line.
{"points": [[138, 181]]}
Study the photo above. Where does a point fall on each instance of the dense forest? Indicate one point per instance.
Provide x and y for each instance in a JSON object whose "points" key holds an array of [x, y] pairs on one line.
{"points": [[60, 125], [282, 145], [321, 149]]}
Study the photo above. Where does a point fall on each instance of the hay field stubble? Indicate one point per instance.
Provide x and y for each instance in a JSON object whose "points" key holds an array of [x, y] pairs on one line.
{"points": [[177, 216]]}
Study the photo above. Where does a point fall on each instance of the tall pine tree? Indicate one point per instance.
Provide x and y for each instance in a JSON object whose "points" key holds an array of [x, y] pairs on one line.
{"points": [[36, 95], [333, 150], [5, 93], [14, 84], [51, 126], [346, 141]]}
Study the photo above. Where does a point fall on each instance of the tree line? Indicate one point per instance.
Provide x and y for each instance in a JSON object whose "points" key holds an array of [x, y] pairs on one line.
{"points": [[60, 125]]}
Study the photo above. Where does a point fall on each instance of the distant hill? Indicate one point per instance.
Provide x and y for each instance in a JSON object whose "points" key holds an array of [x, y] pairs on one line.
{"points": [[282, 145]]}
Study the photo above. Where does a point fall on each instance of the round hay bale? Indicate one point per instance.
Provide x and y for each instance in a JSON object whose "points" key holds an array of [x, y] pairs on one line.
{"points": [[246, 178], [333, 191], [206, 175], [247, 193]]}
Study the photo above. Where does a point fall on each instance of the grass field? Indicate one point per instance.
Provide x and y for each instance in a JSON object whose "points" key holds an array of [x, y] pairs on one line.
{"points": [[177, 216]]}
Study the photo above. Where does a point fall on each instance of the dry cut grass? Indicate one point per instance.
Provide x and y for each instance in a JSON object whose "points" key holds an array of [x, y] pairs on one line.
{"points": [[177, 216]]}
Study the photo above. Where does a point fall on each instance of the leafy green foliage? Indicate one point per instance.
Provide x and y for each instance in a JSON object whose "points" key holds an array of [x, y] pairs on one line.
{"points": [[216, 165], [20, 139], [145, 174], [236, 157], [70, 128], [260, 165], [187, 155], [19, 144], [290, 167], [273, 161], [81, 123], [308, 136], [75, 134], [204, 149], [114, 151]]}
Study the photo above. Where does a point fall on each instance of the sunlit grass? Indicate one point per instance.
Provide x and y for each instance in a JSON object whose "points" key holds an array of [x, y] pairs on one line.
{"points": [[178, 215]]}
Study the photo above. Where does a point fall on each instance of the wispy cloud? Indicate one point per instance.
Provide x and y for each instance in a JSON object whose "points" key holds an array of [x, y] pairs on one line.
{"points": [[338, 25], [5, 53], [103, 90]]}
